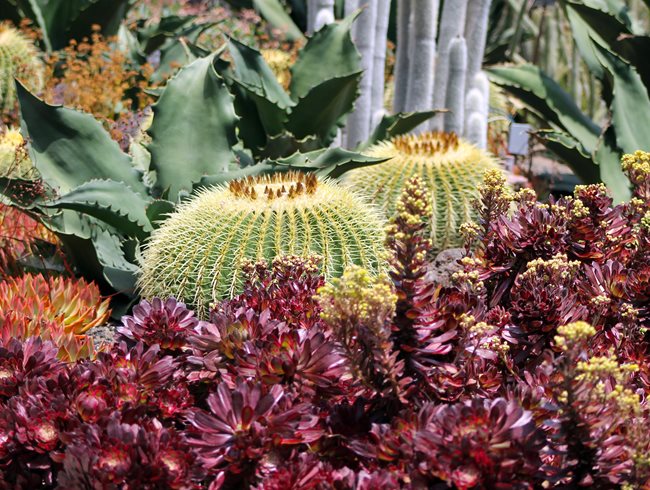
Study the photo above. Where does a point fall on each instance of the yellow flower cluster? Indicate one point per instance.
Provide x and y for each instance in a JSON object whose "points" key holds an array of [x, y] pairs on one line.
{"points": [[558, 263], [573, 333], [637, 166], [357, 297]]}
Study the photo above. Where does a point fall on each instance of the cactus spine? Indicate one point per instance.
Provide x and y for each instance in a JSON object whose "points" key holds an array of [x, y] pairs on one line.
{"points": [[421, 70], [19, 59], [455, 99], [450, 167], [196, 254], [452, 25]]}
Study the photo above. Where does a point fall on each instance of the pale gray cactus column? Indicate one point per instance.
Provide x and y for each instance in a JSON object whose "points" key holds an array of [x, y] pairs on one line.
{"points": [[455, 100], [452, 25], [421, 69], [358, 127]]}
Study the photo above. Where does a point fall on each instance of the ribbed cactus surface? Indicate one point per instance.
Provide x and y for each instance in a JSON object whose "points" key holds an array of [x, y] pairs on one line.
{"points": [[450, 167], [19, 59], [196, 255], [280, 63]]}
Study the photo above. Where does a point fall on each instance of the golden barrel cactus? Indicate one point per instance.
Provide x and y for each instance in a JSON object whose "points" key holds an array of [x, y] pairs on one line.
{"points": [[196, 255], [18, 59], [450, 167]]}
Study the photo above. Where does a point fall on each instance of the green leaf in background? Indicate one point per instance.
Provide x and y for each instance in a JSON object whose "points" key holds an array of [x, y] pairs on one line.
{"points": [[608, 157], [329, 53], [273, 11], [70, 148], [193, 128], [340, 94], [548, 100], [63, 20], [111, 202], [570, 150]]}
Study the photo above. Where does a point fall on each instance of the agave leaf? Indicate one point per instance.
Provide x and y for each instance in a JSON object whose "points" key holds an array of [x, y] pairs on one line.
{"points": [[69, 147], [270, 114], [571, 151], [111, 202], [193, 128], [608, 157], [273, 11], [285, 144], [329, 53], [630, 104], [396, 124], [116, 269], [158, 210], [545, 97], [324, 108], [617, 36], [330, 162], [63, 20], [251, 70], [180, 50]]}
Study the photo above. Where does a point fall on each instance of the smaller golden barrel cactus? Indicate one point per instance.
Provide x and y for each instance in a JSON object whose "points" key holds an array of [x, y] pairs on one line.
{"points": [[18, 59], [450, 167], [197, 254], [14, 157]]}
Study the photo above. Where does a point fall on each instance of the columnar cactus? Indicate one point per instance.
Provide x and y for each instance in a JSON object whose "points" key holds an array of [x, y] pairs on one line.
{"points": [[455, 99], [425, 28], [450, 167], [358, 128], [196, 255], [379, 61], [452, 24], [18, 59], [476, 27]]}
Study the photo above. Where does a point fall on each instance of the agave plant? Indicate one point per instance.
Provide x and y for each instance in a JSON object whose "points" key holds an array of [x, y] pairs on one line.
{"points": [[221, 120], [615, 53]]}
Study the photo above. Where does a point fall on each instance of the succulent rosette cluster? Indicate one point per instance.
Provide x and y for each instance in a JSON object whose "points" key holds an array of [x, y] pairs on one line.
{"points": [[528, 371]]}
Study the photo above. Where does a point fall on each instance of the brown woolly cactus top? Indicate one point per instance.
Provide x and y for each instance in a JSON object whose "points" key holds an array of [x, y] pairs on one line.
{"points": [[426, 143], [278, 186]]}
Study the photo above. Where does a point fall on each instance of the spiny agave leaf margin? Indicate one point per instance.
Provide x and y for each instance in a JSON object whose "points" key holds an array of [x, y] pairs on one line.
{"points": [[329, 53], [193, 129], [109, 201]]}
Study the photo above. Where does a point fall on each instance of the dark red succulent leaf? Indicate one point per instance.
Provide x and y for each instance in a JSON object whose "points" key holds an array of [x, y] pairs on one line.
{"points": [[165, 323], [480, 444], [116, 454], [245, 423]]}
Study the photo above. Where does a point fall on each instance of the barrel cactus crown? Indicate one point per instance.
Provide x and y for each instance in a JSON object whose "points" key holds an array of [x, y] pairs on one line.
{"points": [[197, 254], [18, 59], [450, 167], [14, 157]]}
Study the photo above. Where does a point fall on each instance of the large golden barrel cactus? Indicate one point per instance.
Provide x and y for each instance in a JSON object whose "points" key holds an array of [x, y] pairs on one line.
{"points": [[196, 255], [450, 167], [18, 59]]}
